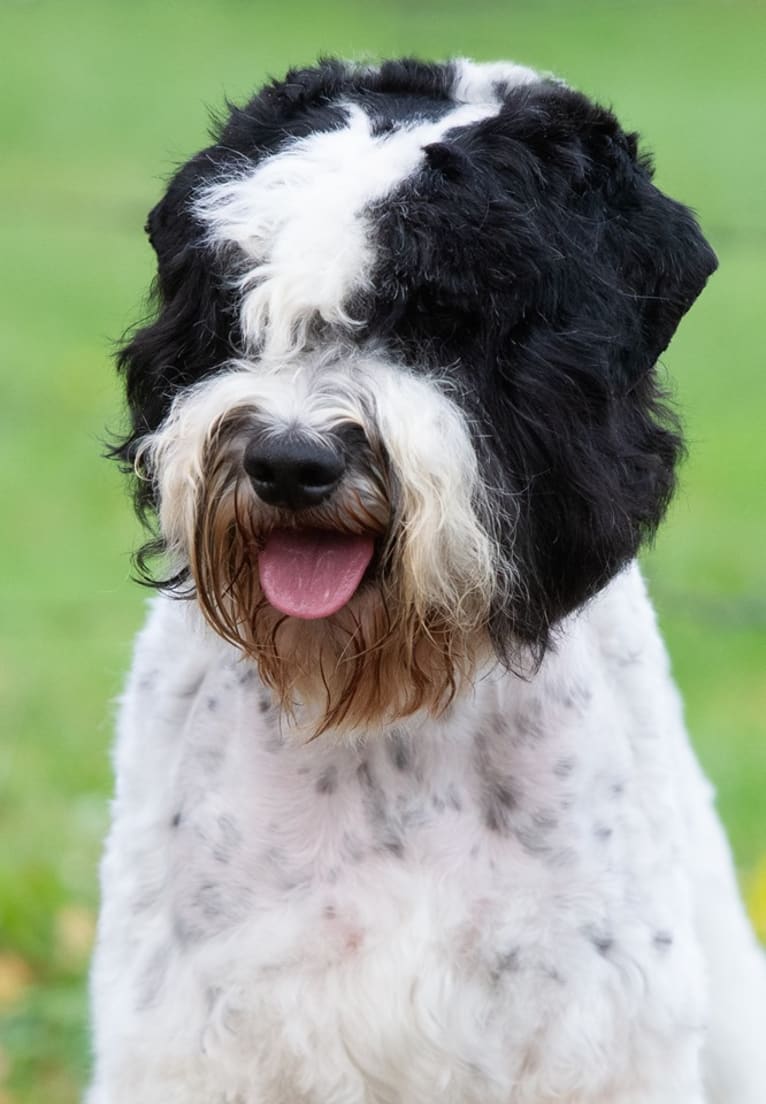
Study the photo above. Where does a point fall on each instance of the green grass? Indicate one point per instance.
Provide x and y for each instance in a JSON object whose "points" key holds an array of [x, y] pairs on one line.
{"points": [[98, 100]]}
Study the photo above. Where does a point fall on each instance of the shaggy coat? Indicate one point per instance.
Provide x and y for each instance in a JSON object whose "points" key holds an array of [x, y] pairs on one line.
{"points": [[405, 809]]}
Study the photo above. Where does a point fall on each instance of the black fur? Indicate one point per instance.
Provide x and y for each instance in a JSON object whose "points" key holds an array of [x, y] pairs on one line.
{"points": [[535, 256], [532, 259]]}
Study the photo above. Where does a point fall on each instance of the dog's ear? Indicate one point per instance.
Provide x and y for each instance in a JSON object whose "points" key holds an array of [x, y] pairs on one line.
{"points": [[588, 444], [651, 244]]}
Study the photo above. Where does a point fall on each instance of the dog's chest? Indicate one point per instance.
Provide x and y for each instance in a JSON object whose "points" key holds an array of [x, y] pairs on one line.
{"points": [[470, 822], [481, 890]]}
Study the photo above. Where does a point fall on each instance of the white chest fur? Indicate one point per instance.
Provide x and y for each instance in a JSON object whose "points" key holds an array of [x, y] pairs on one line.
{"points": [[479, 908]]}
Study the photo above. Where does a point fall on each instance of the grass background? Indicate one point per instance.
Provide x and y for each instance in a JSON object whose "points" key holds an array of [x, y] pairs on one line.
{"points": [[98, 100]]}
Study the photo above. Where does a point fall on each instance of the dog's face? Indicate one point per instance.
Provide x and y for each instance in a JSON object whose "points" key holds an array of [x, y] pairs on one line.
{"points": [[398, 408]]}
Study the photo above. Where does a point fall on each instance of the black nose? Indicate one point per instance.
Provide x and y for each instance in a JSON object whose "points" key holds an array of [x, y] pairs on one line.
{"points": [[292, 471]]}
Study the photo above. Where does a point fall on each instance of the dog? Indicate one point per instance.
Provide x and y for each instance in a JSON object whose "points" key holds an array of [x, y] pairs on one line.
{"points": [[405, 809]]}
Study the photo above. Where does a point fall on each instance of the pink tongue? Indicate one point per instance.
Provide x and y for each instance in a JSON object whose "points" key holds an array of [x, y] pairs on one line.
{"points": [[311, 573]]}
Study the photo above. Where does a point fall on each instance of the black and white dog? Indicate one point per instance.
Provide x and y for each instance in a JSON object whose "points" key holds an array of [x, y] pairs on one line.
{"points": [[405, 809]]}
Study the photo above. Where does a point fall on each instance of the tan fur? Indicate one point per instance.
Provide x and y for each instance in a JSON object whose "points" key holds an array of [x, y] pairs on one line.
{"points": [[385, 655]]}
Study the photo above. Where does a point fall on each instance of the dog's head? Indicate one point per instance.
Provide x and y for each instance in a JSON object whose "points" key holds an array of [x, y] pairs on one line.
{"points": [[398, 408]]}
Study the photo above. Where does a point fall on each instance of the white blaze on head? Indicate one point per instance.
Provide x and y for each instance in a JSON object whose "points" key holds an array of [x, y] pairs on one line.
{"points": [[299, 218]]}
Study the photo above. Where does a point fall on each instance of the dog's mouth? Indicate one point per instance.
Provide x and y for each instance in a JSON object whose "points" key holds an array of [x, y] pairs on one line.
{"points": [[313, 573]]}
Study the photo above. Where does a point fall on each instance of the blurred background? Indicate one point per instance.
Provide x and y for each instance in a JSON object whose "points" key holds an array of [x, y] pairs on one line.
{"points": [[99, 99]]}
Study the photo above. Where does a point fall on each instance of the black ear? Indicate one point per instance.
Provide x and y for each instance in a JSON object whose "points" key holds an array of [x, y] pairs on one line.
{"points": [[652, 245], [585, 440], [617, 259]]}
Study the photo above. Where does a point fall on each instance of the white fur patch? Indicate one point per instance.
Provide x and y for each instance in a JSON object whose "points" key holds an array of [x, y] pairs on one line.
{"points": [[478, 82], [300, 220], [558, 963]]}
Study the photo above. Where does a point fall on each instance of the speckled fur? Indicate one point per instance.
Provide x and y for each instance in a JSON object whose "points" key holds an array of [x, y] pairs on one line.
{"points": [[517, 904]]}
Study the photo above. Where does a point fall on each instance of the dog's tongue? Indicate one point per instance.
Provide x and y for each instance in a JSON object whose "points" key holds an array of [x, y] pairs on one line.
{"points": [[311, 573]]}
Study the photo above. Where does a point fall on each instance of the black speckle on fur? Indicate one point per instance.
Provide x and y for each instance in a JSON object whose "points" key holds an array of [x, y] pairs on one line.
{"points": [[147, 682], [663, 940], [399, 751], [191, 689], [209, 910], [564, 767], [497, 793], [535, 841], [505, 963], [327, 783], [508, 961], [499, 802], [600, 940], [386, 829], [552, 974]]}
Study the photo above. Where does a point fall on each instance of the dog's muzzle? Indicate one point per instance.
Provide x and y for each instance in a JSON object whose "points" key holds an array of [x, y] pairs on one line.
{"points": [[305, 571]]}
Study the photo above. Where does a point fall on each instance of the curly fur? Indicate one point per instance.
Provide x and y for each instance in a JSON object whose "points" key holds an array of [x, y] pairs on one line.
{"points": [[495, 875], [525, 258]]}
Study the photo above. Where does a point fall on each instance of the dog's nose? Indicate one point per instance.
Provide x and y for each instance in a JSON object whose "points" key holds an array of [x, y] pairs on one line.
{"points": [[292, 471]]}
